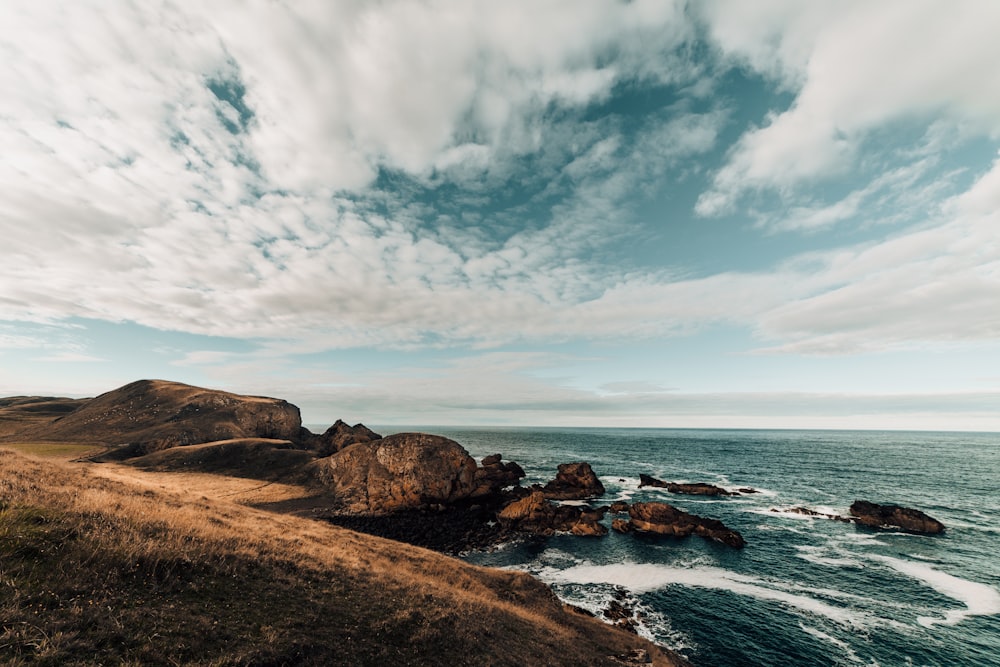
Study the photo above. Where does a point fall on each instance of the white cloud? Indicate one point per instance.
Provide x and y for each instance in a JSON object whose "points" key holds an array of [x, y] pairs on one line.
{"points": [[854, 66]]}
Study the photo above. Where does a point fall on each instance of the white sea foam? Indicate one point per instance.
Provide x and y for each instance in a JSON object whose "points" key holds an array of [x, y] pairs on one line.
{"points": [[848, 652], [819, 555], [646, 577], [979, 599]]}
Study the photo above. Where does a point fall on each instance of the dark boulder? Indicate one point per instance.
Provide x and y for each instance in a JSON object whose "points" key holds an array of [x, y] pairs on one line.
{"points": [[894, 516], [574, 481], [618, 507]]}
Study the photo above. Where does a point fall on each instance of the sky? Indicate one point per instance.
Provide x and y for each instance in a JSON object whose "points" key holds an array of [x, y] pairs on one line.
{"points": [[775, 214]]}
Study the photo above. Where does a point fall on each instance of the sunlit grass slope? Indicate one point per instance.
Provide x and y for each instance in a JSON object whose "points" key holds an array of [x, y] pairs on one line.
{"points": [[95, 570]]}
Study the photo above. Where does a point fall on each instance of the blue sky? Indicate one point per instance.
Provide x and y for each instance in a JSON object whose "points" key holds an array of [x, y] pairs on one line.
{"points": [[768, 214]]}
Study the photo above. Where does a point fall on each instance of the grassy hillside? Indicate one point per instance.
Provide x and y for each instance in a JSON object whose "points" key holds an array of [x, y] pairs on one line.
{"points": [[99, 570]]}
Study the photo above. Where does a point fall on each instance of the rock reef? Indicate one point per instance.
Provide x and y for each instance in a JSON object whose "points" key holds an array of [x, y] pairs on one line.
{"points": [[894, 516], [664, 519], [574, 481]]}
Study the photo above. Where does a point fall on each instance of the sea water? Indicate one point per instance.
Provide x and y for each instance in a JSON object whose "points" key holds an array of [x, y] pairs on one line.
{"points": [[804, 591]]}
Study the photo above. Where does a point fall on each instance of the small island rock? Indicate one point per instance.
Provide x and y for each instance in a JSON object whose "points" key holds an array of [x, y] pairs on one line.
{"points": [[894, 516], [666, 519], [574, 481]]}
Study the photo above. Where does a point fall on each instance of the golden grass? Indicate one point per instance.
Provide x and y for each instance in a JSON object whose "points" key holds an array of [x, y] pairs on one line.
{"points": [[64, 451], [97, 567]]}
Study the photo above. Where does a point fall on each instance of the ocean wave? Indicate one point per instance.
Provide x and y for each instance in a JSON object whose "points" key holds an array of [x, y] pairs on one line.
{"points": [[979, 599], [646, 577]]}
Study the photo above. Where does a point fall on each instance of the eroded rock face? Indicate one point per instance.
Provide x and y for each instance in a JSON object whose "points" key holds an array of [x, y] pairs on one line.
{"points": [[402, 471], [494, 475], [341, 435], [894, 516], [665, 519], [574, 481]]}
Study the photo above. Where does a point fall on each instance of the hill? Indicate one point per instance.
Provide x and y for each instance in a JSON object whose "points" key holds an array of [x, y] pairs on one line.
{"points": [[96, 570], [150, 415]]}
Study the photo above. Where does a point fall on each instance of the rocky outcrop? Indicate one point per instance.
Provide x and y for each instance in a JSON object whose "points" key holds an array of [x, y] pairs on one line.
{"points": [[574, 481], [648, 480], [696, 489], [536, 515], [805, 511], [402, 471], [618, 507], [894, 516], [699, 489], [494, 475], [665, 519], [621, 526], [150, 415], [341, 435]]}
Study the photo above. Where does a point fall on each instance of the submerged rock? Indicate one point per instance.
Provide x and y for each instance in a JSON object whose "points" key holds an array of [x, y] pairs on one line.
{"points": [[665, 519], [805, 511], [402, 471], [574, 481], [894, 516]]}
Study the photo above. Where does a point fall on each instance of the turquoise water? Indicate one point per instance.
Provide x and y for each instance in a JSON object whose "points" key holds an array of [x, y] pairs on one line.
{"points": [[805, 591]]}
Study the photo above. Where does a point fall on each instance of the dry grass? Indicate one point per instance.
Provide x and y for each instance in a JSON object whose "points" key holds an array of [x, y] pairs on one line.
{"points": [[63, 451], [105, 569]]}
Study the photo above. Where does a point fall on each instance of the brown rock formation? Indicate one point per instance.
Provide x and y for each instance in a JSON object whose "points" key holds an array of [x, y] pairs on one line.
{"points": [[150, 415], [666, 519], [494, 475], [402, 471], [618, 507], [341, 435], [621, 526], [894, 516], [536, 515], [574, 481]]}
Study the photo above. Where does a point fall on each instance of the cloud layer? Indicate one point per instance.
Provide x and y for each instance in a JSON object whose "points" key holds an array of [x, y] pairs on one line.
{"points": [[426, 174]]}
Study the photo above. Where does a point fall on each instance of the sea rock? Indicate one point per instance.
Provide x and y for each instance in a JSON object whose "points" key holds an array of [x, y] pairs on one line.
{"points": [[698, 489], [574, 481], [665, 519], [401, 471], [894, 516], [647, 480], [805, 511], [748, 490], [494, 475], [621, 526], [618, 507], [341, 435], [536, 515]]}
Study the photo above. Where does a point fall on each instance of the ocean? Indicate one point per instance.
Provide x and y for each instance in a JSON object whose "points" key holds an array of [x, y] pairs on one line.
{"points": [[804, 591]]}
